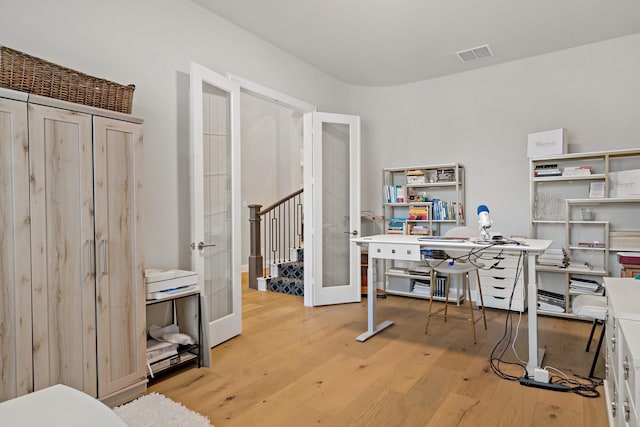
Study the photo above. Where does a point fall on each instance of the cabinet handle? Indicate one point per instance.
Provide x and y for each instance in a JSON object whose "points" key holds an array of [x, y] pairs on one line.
{"points": [[88, 258], [103, 242]]}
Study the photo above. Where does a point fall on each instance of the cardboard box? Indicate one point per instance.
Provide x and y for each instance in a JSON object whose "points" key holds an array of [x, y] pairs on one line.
{"points": [[547, 143]]}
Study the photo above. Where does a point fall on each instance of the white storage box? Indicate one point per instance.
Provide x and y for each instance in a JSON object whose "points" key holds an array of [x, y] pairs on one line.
{"points": [[624, 184], [399, 284], [630, 258], [547, 143]]}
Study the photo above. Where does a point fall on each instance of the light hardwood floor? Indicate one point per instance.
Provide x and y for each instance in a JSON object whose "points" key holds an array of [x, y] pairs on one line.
{"points": [[300, 366]]}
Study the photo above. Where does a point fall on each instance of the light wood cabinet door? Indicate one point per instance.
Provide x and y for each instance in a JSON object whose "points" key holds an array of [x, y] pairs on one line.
{"points": [[16, 375], [121, 322], [62, 244]]}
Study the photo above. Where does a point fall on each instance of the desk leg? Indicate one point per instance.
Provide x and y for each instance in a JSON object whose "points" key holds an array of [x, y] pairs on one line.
{"points": [[535, 354], [372, 329]]}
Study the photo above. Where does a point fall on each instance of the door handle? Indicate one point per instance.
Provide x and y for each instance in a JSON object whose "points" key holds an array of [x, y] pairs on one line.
{"points": [[201, 245], [354, 232]]}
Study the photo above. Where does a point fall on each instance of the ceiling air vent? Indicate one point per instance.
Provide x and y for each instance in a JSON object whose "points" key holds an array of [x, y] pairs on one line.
{"points": [[475, 53]]}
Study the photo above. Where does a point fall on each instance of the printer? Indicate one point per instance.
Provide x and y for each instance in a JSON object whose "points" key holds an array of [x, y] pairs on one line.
{"points": [[169, 283]]}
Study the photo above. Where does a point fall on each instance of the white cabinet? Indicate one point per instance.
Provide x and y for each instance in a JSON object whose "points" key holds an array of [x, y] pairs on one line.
{"points": [[16, 374], [578, 201], [502, 280], [630, 368], [622, 386], [85, 280]]}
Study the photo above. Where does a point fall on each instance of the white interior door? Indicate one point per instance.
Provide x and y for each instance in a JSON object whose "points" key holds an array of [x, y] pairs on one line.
{"points": [[331, 208], [215, 207]]}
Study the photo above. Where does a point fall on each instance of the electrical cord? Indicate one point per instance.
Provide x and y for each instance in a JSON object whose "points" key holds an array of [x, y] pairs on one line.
{"points": [[496, 360], [582, 386]]}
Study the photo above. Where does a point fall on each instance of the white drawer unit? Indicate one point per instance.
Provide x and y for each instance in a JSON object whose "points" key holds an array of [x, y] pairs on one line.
{"points": [[629, 332], [400, 251], [623, 350], [502, 276]]}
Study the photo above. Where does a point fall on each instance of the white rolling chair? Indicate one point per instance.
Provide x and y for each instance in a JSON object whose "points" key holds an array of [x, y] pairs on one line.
{"points": [[463, 264], [593, 307]]}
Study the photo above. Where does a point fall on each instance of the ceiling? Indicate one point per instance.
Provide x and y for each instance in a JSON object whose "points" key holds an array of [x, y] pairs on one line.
{"points": [[391, 42]]}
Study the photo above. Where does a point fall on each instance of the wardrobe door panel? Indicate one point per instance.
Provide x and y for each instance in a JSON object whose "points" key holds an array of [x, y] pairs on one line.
{"points": [[15, 260], [121, 322], [62, 241]]}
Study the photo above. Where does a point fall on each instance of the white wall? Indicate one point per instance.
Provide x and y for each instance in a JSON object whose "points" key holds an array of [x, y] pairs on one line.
{"points": [[481, 119], [150, 43]]}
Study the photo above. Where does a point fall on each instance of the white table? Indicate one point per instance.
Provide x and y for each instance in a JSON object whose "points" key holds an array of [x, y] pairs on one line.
{"points": [[407, 248]]}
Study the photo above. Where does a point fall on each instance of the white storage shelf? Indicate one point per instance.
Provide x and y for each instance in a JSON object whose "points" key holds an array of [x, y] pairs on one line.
{"points": [[404, 285], [556, 204], [187, 318], [422, 184]]}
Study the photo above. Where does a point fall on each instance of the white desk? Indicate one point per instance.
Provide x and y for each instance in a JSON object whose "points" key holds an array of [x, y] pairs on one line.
{"points": [[407, 248]]}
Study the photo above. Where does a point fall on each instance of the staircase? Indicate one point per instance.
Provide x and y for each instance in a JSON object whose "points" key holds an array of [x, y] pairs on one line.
{"points": [[288, 277], [276, 260]]}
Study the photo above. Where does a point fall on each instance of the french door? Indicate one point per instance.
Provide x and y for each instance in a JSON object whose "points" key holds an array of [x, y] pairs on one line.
{"points": [[215, 207], [331, 208]]}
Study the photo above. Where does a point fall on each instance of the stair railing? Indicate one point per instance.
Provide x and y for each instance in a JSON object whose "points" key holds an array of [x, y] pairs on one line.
{"points": [[282, 231]]}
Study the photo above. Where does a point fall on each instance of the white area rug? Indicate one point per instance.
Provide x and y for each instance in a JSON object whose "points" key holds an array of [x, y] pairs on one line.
{"points": [[157, 410]]}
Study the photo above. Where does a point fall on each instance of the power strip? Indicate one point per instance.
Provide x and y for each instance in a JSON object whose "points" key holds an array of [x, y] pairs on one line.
{"points": [[549, 386]]}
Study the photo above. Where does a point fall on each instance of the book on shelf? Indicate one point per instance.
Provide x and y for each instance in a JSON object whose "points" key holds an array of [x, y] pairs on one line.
{"points": [[416, 176], [586, 291], [596, 190], [421, 268], [398, 270], [585, 286], [446, 175], [418, 213], [554, 308], [395, 193], [446, 211], [594, 244], [550, 169], [421, 287], [576, 171], [439, 288], [557, 257], [396, 225], [419, 229], [551, 301]]}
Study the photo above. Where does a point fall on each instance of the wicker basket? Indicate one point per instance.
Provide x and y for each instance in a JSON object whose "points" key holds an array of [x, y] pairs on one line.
{"points": [[19, 71]]}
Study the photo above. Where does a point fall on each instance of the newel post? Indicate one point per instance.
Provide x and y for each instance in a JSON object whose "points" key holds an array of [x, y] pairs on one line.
{"points": [[255, 256]]}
